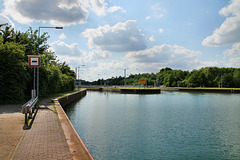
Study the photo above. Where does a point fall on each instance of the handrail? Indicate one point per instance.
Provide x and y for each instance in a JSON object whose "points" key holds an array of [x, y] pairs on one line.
{"points": [[28, 108]]}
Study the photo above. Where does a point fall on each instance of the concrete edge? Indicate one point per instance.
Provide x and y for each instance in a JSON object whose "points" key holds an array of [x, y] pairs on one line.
{"points": [[76, 145]]}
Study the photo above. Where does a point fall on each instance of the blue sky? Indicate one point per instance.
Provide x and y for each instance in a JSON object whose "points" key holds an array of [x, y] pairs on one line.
{"points": [[109, 36]]}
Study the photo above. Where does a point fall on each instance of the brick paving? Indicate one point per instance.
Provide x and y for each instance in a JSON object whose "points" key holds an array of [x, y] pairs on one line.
{"points": [[45, 140]]}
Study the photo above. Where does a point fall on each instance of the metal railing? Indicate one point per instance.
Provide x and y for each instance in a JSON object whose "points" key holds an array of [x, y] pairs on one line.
{"points": [[28, 109]]}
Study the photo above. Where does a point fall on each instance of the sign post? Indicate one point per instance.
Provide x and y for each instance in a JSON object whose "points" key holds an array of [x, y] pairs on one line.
{"points": [[142, 82], [34, 61]]}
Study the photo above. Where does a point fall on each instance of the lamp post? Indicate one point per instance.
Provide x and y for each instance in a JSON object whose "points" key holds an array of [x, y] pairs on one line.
{"points": [[139, 77], [38, 54], [99, 79], [125, 82], [106, 83], [78, 74]]}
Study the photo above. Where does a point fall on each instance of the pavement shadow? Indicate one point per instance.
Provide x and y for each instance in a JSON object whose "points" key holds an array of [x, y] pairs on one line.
{"points": [[10, 108]]}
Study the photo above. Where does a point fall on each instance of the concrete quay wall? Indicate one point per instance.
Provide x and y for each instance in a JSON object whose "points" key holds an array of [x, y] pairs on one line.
{"points": [[77, 147], [69, 98]]}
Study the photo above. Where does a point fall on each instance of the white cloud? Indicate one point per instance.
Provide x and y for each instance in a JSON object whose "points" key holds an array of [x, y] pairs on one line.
{"points": [[61, 48], [233, 55], [106, 69], [158, 11], [234, 62], [99, 7], [231, 9], [121, 37], [62, 36], [4, 19], [215, 63], [115, 8], [160, 30], [166, 55], [114, 66], [148, 17], [235, 51], [71, 53], [152, 39], [56, 12], [228, 33], [97, 55]]}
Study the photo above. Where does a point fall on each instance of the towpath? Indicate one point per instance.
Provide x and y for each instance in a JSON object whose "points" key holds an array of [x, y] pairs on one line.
{"points": [[45, 140]]}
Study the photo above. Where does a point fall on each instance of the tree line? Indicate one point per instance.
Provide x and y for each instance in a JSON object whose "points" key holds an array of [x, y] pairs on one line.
{"points": [[204, 77], [16, 76]]}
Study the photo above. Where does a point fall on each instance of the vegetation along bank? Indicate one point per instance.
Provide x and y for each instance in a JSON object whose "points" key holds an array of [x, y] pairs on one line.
{"points": [[16, 76]]}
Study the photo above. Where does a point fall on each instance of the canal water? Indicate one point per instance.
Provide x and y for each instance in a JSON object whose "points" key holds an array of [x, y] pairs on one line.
{"points": [[170, 125]]}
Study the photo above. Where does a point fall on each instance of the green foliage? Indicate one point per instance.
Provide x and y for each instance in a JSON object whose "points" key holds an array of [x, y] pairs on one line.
{"points": [[14, 73], [204, 77], [236, 78], [16, 77]]}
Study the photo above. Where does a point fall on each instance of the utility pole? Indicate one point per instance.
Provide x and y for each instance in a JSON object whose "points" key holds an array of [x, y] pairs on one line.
{"points": [[125, 83], [221, 78], [78, 75]]}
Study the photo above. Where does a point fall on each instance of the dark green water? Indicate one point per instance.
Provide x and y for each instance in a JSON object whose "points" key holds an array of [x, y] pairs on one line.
{"points": [[170, 125]]}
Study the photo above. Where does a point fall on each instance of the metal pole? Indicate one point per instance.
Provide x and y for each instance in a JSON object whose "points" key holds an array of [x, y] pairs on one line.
{"points": [[78, 75], [221, 79], [125, 83], [34, 80], [38, 67], [38, 54], [138, 77]]}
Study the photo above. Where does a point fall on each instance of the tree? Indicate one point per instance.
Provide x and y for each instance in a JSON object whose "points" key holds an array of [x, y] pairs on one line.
{"points": [[227, 79], [236, 78], [14, 73], [193, 79], [16, 77]]}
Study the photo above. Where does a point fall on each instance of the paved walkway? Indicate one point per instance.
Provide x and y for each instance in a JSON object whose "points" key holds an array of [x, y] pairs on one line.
{"points": [[51, 137], [11, 131], [45, 140]]}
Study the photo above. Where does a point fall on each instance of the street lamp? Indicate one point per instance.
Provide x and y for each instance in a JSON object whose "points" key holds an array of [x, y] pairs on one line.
{"points": [[78, 74], [106, 79], [138, 77], [125, 83], [38, 54]]}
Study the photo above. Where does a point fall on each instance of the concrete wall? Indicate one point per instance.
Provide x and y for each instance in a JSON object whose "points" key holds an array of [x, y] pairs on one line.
{"points": [[76, 146], [68, 98]]}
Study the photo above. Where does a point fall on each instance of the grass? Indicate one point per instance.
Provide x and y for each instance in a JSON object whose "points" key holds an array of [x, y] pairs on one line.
{"points": [[141, 88], [55, 109]]}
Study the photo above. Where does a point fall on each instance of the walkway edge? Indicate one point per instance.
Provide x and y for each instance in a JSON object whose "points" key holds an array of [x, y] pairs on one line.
{"points": [[76, 146]]}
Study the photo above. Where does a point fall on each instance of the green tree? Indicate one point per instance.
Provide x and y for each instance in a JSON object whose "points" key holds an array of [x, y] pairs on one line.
{"points": [[227, 79], [14, 73], [16, 77], [236, 78], [193, 79], [212, 75]]}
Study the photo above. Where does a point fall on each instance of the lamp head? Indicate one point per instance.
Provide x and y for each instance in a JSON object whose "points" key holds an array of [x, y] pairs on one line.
{"points": [[58, 27]]}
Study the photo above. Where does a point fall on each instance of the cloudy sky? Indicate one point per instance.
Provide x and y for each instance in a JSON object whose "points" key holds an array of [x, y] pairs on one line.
{"points": [[108, 36]]}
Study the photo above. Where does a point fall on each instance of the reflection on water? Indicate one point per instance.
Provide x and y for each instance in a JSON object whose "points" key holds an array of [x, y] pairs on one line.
{"points": [[170, 125]]}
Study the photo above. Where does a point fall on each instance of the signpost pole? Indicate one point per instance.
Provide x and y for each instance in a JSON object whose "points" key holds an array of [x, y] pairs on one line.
{"points": [[34, 61]]}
